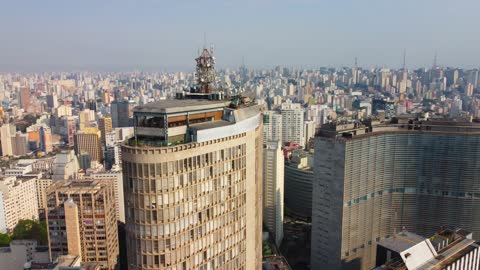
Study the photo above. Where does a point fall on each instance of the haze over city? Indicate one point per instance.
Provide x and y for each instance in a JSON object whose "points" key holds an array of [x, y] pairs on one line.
{"points": [[122, 35], [240, 135]]}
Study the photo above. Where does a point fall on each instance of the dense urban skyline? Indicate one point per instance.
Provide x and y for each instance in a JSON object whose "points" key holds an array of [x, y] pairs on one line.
{"points": [[156, 35]]}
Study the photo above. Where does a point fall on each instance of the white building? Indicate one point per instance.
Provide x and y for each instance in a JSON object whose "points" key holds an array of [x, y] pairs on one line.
{"points": [[7, 131], [18, 201], [292, 123], [272, 126], [65, 166], [273, 189]]}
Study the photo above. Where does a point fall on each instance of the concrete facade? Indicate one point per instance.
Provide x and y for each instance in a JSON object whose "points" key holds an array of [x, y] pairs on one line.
{"points": [[273, 189], [370, 185]]}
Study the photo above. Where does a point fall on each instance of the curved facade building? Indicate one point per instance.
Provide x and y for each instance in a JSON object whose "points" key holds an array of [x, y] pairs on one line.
{"points": [[298, 189], [372, 182], [193, 189]]}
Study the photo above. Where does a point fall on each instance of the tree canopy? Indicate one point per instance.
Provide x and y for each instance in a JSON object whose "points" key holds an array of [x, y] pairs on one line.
{"points": [[29, 229]]}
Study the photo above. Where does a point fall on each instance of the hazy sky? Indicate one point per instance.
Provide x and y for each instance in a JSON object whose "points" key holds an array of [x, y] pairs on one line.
{"points": [[115, 35]]}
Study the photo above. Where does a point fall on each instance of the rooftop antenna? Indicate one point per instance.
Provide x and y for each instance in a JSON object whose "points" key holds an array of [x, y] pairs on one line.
{"points": [[356, 63], [435, 60], [404, 57]]}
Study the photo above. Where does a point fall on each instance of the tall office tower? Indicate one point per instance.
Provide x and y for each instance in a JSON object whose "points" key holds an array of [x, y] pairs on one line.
{"points": [[116, 178], [88, 140], [18, 200], [105, 126], [272, 126], [7, 131], [292, 123], [85, 117], [52, 101], [193, 184], [45, 139], [309, 128], [372, 181], [70, 130], [24, 98], [81, 221], [20, 144], [298, 184], [122, 113], [273, 170], [42, 185]]}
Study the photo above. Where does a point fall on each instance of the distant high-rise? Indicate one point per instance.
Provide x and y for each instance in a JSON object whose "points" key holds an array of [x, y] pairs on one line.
{"points": [[24, 98], [373, 181], [52, 101], [122, 113], [7, 132], [88, 140], [273, 188], [105, 126], [81, 221], [292, 123], [272, 126]]}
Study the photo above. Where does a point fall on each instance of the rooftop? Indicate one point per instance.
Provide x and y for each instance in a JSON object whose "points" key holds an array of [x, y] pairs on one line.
{"points": [[401, 241], [180, 105], [419, 253]]}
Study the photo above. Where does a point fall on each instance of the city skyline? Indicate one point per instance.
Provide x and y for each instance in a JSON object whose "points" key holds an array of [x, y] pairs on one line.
{"points": [[154, 36]]}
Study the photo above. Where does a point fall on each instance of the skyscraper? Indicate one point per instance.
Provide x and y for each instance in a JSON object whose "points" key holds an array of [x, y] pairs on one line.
{"points": [[372, 181], [292, 123], [24, 98], [273, 170], [88, 140], [81, 221], [7, 131], [122, 113], [272, 126], [193, 183], [105, 126]]}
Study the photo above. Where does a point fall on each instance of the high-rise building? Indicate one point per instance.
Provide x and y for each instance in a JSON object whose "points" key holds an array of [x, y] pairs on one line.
{"points": [[272, 126], [105, 126], [7, 131], [122, 113], [116, 178], [20, 144], [45, 139], [273, 171], [292, 123], [24, 98], [88, 140], [81, 221], [86, 117], [18, 200], [42, 185], [70, 130], [193, 184], [372, 181], [298, 184], [52, 101]]}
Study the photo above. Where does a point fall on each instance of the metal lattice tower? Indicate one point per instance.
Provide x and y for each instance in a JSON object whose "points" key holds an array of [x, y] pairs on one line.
{"points": [[205, 73]]}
